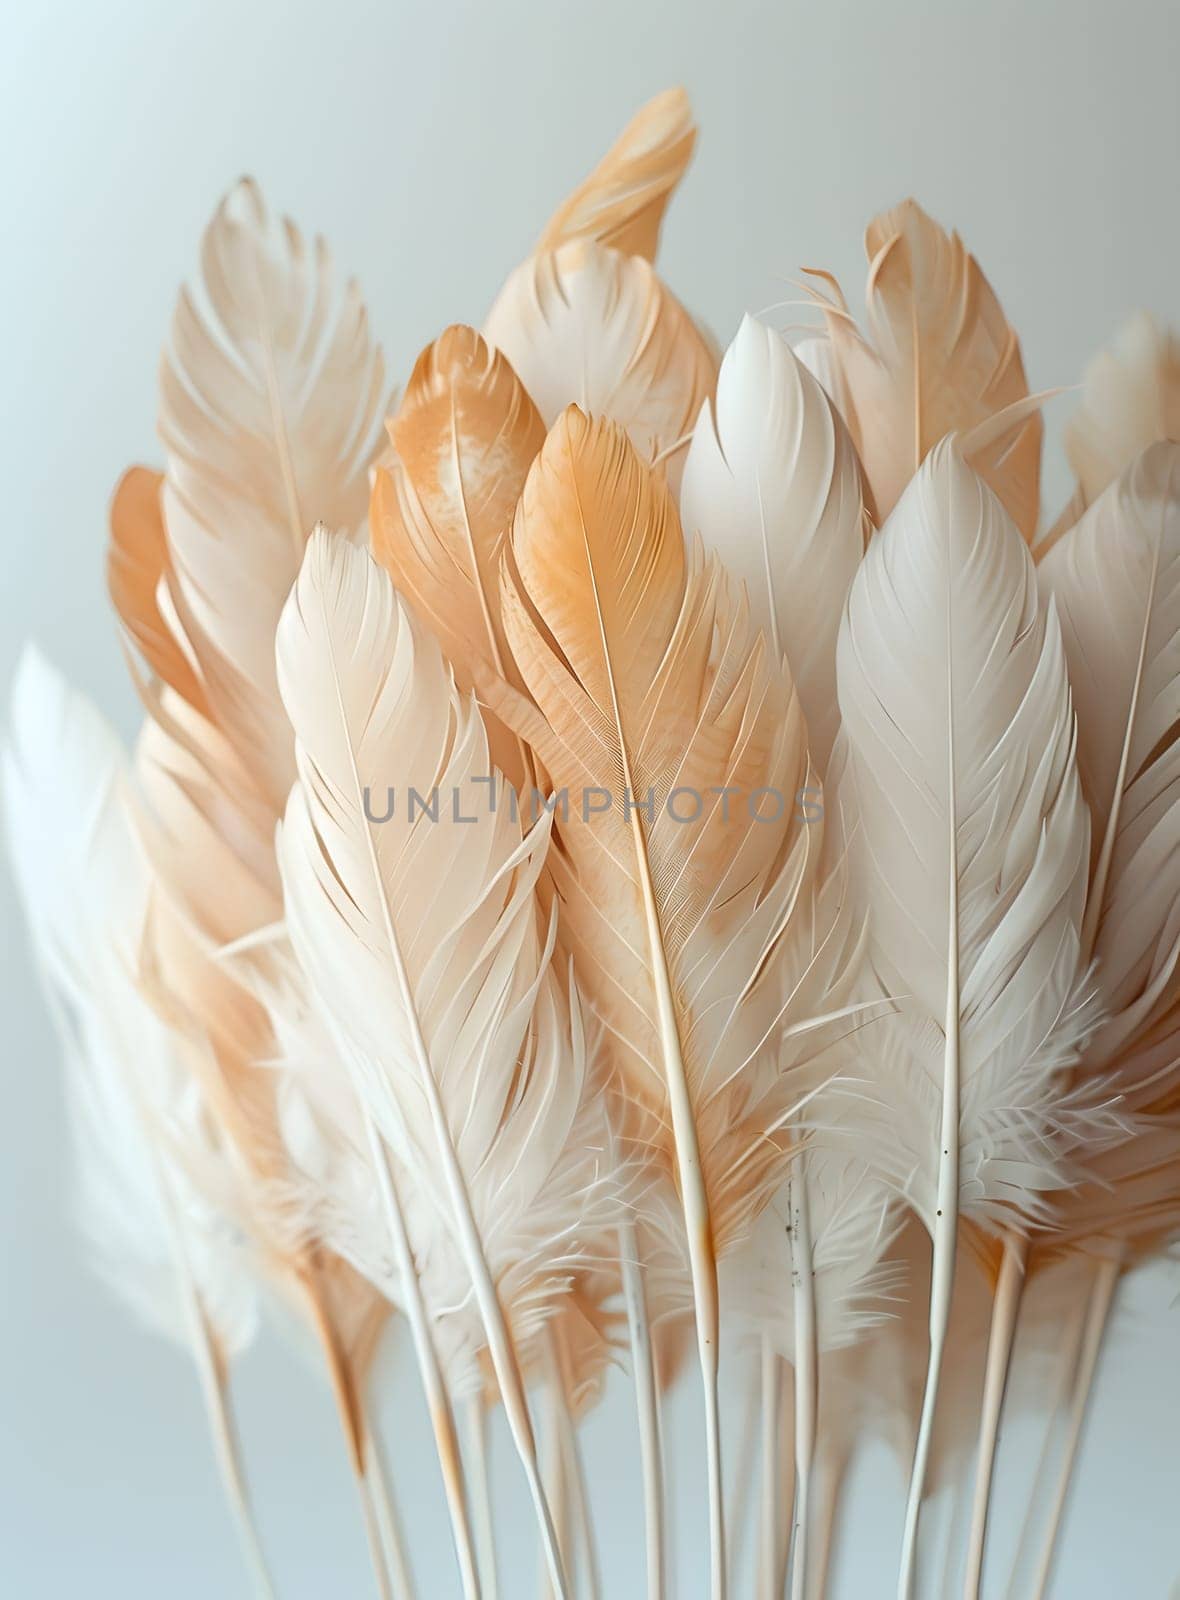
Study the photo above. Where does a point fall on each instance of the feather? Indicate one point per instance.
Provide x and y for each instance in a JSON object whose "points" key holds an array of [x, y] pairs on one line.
{"points": [[139, 573], [772, 486], [1130, 399], [421, 941], [672, 923], [1115, 580], [622, 202], [158, 1196], [942, 358], [587, 325], [463, 437], [969, 854], [84, 887], [270, 395]]}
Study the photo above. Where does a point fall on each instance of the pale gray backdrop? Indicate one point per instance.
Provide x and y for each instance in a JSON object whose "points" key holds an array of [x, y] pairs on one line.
{"points": [[429, 143]]}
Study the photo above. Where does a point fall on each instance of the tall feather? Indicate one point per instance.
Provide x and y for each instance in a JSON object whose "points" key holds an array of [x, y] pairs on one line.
{"points": [[464, 437], [1115, 580], [161, 1202], [270, 396], [772, 485], [421, 939], [590, 326], [270, 392], [650, 683], [622, 202], [970, 857], [940, 358]]}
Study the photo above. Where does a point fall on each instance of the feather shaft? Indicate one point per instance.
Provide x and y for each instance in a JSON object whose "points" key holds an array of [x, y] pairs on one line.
{"points": [[438, 1400], [388, 1520], [476, 1414], [647, 1406], [1001, 1338], [1098, 1309], [803, 1301]]}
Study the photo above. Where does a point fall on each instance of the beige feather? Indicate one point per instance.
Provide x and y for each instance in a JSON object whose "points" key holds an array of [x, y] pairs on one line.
{"points": [[940, 358], [622, 202]]}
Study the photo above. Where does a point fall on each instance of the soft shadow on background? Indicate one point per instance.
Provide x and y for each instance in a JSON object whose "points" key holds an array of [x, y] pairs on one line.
{"points": [[429, 146]]}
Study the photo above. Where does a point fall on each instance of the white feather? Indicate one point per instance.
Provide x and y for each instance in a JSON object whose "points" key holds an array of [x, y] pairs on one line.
{"points": [[771, 484], [421, 940], [969, 852], [136, 1112]]}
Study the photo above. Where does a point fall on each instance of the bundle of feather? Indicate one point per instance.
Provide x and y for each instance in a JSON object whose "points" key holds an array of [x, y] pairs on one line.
{"points": [[693, 873]]}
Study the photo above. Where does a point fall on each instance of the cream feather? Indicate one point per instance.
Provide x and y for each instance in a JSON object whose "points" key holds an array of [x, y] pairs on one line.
{"points": [[653, 687], [622, 202], [940, 358], [772, 485], [590, 326], [1115, 580], [270, 396], [421, 939], [1130, 399], [969, 851]]}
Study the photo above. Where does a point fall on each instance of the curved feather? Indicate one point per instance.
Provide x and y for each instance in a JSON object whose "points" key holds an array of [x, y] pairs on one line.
{"points": [[622, 202], [139, 572], [464, 437], [270, 396], [772, 485], [590, 326], [940, 358], [421, 940]]}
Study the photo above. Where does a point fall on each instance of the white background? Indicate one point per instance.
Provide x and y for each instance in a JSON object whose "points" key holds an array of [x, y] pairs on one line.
{"points": [[429, 144]]}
